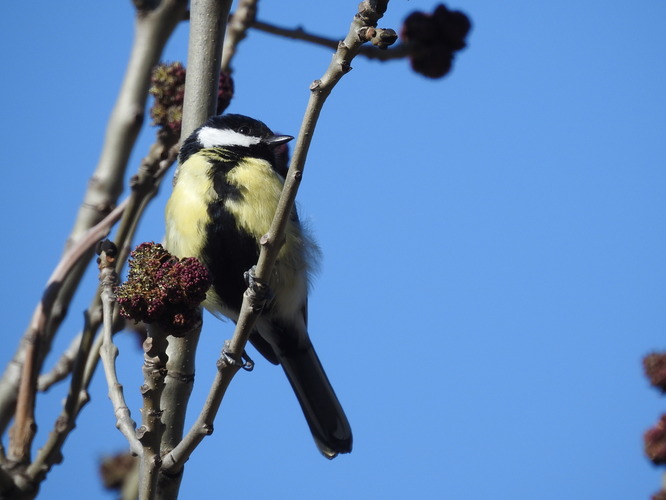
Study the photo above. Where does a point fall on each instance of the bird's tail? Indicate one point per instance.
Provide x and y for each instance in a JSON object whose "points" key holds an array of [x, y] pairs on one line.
{"points": [[323, 412]]}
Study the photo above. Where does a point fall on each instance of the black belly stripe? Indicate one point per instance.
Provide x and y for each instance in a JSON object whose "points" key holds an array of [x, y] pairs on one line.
{"points": [[228, 253]]}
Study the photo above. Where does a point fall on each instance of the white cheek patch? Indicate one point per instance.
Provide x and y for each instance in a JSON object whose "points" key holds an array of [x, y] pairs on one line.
{"points": [[210, 137]]}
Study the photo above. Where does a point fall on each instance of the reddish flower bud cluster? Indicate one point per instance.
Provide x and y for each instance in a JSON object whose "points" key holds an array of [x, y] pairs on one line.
{"points": [[434, 39], [655, 442], [225, 91], [161, 288], [116, 469], [168, 89], [654, 439], [282, 158], [655, 369]]}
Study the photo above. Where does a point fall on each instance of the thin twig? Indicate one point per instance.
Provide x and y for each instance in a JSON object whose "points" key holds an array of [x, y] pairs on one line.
{"points": [[109, 353], [399, 51], [77, 396], [241, 20], [62, 368], [369, 13]]}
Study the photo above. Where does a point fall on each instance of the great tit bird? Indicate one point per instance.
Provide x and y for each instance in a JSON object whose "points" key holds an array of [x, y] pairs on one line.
{"points": [[224, 198]]}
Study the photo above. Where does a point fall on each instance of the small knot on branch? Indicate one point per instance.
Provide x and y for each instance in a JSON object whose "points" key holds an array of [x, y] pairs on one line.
{"points": [[381, 38], [106, 263], [107, 251]]}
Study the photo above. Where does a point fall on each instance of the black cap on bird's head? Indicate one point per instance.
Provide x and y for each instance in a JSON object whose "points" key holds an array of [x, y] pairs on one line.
{"points": [[227, 131]]}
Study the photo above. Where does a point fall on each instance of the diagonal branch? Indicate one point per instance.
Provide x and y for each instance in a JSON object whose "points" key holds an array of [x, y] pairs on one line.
{"points": [[369, 13], [51, 452], [23, 430]]}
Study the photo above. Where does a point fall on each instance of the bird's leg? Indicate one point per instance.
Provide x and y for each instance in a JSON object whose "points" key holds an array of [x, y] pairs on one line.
{"points": [[260, 293]]}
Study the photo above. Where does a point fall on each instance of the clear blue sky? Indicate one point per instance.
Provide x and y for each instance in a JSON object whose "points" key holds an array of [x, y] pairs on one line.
{"points": [[494, 248]]}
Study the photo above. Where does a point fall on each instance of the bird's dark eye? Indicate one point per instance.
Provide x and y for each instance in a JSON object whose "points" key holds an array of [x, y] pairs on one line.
{"points": [[244, 130]]}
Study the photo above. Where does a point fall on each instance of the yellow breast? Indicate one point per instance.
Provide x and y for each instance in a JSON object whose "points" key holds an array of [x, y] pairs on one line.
{"points": [[260, 189], [187, 209]]}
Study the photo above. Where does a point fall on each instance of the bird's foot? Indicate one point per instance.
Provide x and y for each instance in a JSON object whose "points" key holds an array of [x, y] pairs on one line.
{"points": [[248, 364], [229, 358], [260, 289]]}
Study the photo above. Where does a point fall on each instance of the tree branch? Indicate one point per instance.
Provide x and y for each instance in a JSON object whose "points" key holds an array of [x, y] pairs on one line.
{"points": [[152, 428], [62, 368], [368, 15], [153, 28], [23, 430], [204, 424], [109, 352], [82, 355], [51, 452], [208, 20], [254, 296], [7, 487]]}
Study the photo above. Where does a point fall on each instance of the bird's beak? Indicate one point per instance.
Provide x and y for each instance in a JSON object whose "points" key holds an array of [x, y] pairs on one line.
{"points": [[276, 140]]}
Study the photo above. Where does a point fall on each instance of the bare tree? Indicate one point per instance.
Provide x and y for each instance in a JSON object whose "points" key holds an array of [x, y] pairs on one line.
{"points": [[160, 441]]}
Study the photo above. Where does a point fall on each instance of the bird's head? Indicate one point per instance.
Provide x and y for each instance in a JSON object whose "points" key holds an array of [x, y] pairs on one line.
{"points": [[231, 131]]}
